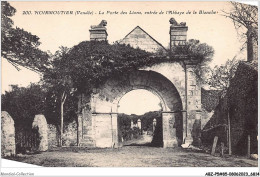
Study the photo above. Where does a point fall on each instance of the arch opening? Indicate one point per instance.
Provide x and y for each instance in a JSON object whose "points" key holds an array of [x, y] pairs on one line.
{"points": [[106, 102], [140, 101], [140, 118]]}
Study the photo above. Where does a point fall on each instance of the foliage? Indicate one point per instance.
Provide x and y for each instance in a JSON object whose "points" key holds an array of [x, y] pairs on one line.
{"points": [[242, 105], [20, 47], [59, 85], [244, 16], [23, 103], [81, 68], [86, 66], [209, 99], [220, 76], [194, 51], [146, 121], [56, 79], [53, 110], [90, 63]]}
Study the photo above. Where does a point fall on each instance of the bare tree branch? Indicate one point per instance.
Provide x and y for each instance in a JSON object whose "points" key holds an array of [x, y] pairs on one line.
{"points": [[244, 15]]}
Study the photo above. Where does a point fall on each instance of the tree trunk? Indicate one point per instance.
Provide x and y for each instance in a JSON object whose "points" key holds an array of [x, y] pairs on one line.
{"points": [[229, 136], [248, 146], [250, 51], [63, 99]]}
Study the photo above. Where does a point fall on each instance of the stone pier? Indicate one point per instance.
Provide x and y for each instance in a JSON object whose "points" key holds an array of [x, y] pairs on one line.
{"points": [[7, 135]]}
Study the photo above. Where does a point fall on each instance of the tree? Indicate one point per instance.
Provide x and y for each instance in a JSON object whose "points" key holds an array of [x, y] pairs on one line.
{"points": [[219, 77], [19, 47], [23, 103], [194, 51], [245, 19], [58, 82], [200, 54]]}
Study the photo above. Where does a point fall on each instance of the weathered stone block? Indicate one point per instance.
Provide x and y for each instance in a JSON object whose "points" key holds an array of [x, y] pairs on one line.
{"points": [[52, 136], [99, 32], [7, 135], [40, 124], [169, 130], [70, 134]]}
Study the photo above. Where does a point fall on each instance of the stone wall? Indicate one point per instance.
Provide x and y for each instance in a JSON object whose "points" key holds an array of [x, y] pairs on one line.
{"points": [[7, 135], [53, 136], [175, 73], [69, 135]]}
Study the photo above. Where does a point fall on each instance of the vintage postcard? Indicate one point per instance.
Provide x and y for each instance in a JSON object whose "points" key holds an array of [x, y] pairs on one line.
{"points": [[129, 84]]}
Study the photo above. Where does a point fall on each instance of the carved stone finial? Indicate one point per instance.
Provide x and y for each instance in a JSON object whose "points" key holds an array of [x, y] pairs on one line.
{"points": [[175, 23], [99, 32], [102, 24], [183, 24]]}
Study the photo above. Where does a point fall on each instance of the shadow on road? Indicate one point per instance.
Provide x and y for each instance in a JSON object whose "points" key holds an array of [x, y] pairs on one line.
{"points": [[145, 144]]}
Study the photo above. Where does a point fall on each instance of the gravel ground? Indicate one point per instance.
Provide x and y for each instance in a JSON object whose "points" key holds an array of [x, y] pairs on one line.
{"points": [[131, 156]]}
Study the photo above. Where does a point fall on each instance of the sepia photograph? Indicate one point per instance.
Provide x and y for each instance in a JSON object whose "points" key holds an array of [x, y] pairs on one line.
{"points": [[129, 84]]}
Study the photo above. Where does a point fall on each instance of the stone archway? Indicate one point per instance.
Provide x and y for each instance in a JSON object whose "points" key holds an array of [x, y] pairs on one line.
{"points": [[179, 87], [104, 107]]}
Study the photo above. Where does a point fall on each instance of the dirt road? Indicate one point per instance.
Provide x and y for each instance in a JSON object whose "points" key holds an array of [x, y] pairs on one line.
{"points": [[132, 156]]}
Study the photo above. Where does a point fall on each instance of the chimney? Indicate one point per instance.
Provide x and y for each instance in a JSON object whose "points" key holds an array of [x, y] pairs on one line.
{"points": [[99, 32], [178, 33]]}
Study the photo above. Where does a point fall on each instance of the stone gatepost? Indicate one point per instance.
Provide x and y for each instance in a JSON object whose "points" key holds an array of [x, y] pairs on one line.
{"points": [[86, 123], [196, 131], [114, 125], [169, 130], [79, 129], [99, 32], [40, 124], [178, 33], [119, 133], [193, 90], [7, 135], [154, 124], [139, 124], [184, 123], [106, 133], [132, 124], [178, 37]]}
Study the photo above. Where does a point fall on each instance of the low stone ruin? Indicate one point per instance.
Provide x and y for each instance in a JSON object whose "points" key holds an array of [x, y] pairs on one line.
{"points": [[40, 124], [7, 135]]}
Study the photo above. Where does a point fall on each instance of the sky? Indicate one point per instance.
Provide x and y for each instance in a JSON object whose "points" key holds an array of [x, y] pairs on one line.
{"points": [[142, 99], [69, 30]]}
